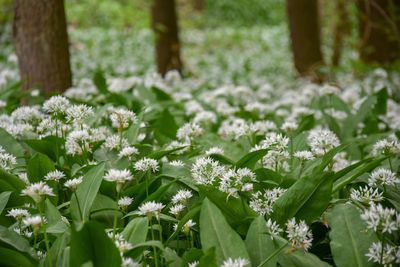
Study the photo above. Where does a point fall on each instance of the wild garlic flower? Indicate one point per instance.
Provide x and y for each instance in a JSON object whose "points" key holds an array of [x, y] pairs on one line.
{"points": [[120, 242], [275, 141], [182, 196], [26, 114], [299, 234], [380, 219], [146, 164], [239, 262], [37, 191], [383, 177], [262, 202], [233, 128], [77, 142], [114, 142], [176, 209], [73, 183], [206, 171], [193, 264], [18, 214], [366, 195], [177, 163], [276, 160], [304, 155], [205, 117], [118, 176], [262, 127], [187, 226], [273, 228], [128, 262], [78, 113], [121, 118], [389, 254], [56, 105], [34, 221], [128, 152], [125, 202], [234, 181], [289, 126], [386, 147], [214, 150], [150, 209], [189, 131], [54, 175], [7, 161], [322, 140]]}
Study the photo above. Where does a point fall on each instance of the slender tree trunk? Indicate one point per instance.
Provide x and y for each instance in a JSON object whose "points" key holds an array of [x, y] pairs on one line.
{"points": [[41, 42], [165, 26], [305, 37], [379, 31], [340, 30], [198, 5]]}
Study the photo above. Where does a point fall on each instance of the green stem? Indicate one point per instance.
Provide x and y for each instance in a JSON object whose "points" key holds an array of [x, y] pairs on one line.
{"points": [[276, 252], [46, 239], [154, 248], [79, 205], [382, 249], [115, 219], [390, 164]]}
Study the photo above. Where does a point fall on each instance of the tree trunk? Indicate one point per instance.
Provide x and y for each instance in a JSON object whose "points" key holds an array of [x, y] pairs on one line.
{"points": [[340, 30], [305, 37], [41, 42], [379, 24], [198, 5], [165, 27]]}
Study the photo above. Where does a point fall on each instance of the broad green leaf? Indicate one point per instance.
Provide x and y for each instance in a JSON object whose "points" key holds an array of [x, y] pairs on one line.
{"points": [[350, 238], [11, 145], [4, 200], [86, 193], [12, 258], [250, 159], [91, 244], [55, 224], [58, 247], [46, 146], [38, 166], [10, 182], [165, 125], [136, 230], [100, 81], [190, 215], [209, 259], [307, 199], [161, 153], [259, 243], [216, 232], [15, 240], [222, 159], [301, 259]]}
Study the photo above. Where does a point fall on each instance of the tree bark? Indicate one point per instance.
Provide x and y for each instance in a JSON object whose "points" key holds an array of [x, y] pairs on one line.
{"points": [[41, 42], [340, 30], [198, 5], [165, 27], [305, 37], [379, 26]]}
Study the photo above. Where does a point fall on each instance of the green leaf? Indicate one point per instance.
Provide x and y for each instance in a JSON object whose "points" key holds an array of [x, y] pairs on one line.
{"points": [[209, 259], [301, 259], [12, 258], [165, 126], [87, 192], [222, 159], [55, 224], [11, 145], [100, 81], [216, 232], [38, 166], [259, 244], [381, 103], [307, 199], [91, 244], [350, 238], [15, 240], [45, 146], [190, 215], [58, 248], [136, 230], [4, 200], [250, 159]]}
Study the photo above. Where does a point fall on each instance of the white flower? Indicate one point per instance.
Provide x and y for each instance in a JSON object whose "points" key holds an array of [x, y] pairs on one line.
{"points": [[77, 142], [115, 142], [146, 164], [118, 176], [73, 183], [177, 163], [304, 155], [189, 131], [276, 141], [176, 209], [389, 256], [124, 202], [128, 152], [289, 126], [239, 262], [186, 227], [7, 161], [262, 202], [34, 221], [366, 195], [128, 262], [386, 147], [56, 105], [25, 114], [299, 234], [382, 176], [181, 196], [273, 228], [150, 209], [382, 219], [18, 214], [78, 113], [234, 181], [193, 264], [206, 170], [37, 191], [322, 140], [54, 175], [121, 118], [214, 150]]}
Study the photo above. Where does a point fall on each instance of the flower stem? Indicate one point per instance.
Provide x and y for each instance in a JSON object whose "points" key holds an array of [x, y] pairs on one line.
{"points": [[276, 252], [154, 248], [79, 205], [46, 239], [115, 219]]}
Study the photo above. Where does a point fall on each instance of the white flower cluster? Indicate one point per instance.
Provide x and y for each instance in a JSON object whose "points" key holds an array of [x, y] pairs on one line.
{"points": [[322, 140], [262, 202], [299, 234]]}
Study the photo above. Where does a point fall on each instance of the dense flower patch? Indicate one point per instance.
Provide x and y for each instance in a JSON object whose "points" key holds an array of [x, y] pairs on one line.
{"points": [[235, 170]]}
